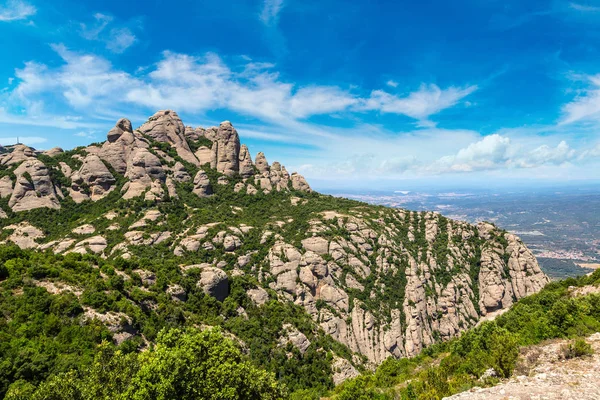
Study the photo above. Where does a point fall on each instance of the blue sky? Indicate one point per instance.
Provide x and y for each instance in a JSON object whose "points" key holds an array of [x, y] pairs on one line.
{"points": [[371, 94]]}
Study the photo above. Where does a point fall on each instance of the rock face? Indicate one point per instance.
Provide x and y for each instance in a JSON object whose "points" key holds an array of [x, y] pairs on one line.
{"points": [[245, 162], [202, 187], [33, 187], [227, 149], [433, 303], [166, 127], [93, 176], [214, 282]]}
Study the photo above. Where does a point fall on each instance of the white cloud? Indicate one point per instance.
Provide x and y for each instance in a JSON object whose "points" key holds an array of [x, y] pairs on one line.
{"points": [[420, 105], [187, 83], [270, 11], [15, 10], [120, 39], [487, 153], [116, 39], [392, 83], [586, 106], [87, 134], [545, 154], [93, 32], [583, 7]]}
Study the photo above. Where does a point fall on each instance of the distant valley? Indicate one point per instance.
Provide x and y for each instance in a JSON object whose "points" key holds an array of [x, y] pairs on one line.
{"points": [[560, 225]]}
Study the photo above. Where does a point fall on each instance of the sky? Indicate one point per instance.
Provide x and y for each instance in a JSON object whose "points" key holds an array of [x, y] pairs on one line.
{"points": [[352, 94]]}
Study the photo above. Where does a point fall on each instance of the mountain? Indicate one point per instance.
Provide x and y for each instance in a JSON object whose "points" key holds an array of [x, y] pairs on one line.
{"points": [[545, 346], [170, 226]]}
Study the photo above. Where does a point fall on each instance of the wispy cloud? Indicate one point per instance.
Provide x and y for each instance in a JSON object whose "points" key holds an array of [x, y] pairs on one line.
{"points": [[270, 12], [15, 10], [117, 39], [420, 105], [584, 7], [586, 106], [197, 84]]}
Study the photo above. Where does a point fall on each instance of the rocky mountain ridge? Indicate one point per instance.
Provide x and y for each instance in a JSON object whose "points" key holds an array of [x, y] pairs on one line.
{"points": [[142, 158], [383, 282]]}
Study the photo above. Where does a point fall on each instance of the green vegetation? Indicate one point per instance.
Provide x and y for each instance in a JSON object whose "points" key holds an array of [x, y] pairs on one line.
{"points": [[455, 366], [44, 335], [183, 365]]}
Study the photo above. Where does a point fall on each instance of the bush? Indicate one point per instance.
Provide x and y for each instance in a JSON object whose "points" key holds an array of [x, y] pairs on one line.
{"points": [[577, 348]]}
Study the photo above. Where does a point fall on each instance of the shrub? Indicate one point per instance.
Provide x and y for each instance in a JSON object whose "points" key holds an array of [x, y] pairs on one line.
{"points": [[577, 348]]}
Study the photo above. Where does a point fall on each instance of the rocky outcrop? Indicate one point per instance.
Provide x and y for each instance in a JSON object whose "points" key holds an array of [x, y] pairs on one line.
{"points": [[214, 282], [436, 299], [120, 144], [299, 183], [143, 168], [166, 127], [18, 154], [245, 162], [202, 187], [33, 187], [93, 180], [226, 149]]}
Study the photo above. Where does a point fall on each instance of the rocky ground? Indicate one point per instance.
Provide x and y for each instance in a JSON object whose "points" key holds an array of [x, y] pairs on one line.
{"points": [[543, 374]]}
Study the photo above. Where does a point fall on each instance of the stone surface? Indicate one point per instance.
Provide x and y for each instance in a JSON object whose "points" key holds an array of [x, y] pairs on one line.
{"points": [[202, 187], [94, 178], [165, 126], [299, 183], [226, 148], [33, 187], [549, 378], [214, 282], [245, 162]]}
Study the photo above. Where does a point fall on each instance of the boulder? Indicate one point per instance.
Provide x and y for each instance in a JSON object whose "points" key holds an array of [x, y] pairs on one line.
{"points": [[122, 141], [177, 293], [261, 163], [214, 282], [245, 162], [226, 148], [202, 187], [299, 183], [317, 245], [53, 152], [94, 175], [143, 168], [180, 174], [258, 295], [33, 187]]}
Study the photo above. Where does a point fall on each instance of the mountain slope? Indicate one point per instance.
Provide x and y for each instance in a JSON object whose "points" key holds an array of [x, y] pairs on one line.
{"points": [[180, 213]]}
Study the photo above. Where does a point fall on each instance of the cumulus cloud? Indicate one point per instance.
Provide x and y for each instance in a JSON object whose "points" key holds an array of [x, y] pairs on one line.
{"points": [[15, 10]]}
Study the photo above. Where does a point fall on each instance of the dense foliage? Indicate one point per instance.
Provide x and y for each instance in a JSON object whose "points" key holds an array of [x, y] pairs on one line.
{"points": [[43, 334], [183, 365]]}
